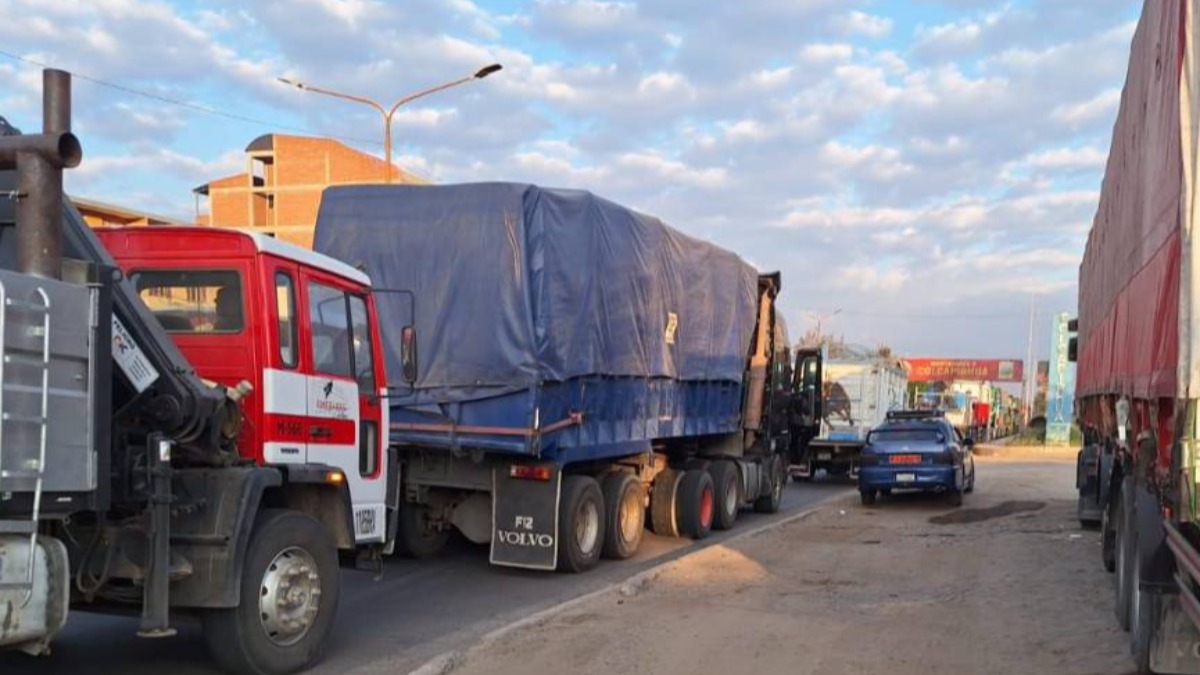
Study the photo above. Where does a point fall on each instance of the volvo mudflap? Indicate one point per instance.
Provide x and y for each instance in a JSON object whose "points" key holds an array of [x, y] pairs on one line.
{"points": [[525, 515]]}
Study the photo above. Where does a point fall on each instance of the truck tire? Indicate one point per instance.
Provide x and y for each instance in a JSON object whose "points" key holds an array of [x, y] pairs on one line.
{"points": [[415, 538], [696, 503], [727, 482], [1143, 619], [289, 596], [580, 524], [1125, 552], [625, 515], [663, 520], [1108, 536], [770, 502]]}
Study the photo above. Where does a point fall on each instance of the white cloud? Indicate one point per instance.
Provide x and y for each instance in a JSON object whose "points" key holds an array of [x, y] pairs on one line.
{"points": [[861, 23], [1089, 157], [827, 52]]}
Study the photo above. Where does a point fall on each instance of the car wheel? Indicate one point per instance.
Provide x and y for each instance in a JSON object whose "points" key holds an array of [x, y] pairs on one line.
{"points": [[868, 497], [971, 483], [956, 498]]}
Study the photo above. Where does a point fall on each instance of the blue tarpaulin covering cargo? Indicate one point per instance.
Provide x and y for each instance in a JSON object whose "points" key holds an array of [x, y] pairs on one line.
{"points": [[548, 322]]}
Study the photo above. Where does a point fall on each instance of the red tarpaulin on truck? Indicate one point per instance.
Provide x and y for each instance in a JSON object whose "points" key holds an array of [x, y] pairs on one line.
{"points": [[1129, 277]]}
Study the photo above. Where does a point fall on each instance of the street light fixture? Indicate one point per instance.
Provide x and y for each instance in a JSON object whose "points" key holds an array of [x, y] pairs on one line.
{"points": [[389, 113]]}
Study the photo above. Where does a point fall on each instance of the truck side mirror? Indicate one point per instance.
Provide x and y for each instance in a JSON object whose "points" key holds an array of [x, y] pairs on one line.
{"points": [[1072, 350], [408, 353]]}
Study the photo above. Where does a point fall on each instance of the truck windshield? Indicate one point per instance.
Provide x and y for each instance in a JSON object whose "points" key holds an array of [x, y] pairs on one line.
{"points": [[906, 436], [193, 301]]}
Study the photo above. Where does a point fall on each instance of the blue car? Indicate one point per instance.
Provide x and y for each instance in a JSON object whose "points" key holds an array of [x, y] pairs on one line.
{"points": [[916, 450]]}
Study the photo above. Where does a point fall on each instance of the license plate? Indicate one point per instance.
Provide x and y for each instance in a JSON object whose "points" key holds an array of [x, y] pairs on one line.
{"points": [[824, 455], [906, 477], [905, 459]]}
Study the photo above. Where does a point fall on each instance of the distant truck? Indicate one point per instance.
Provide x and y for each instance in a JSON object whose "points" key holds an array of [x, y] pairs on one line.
{"points": [[1138, 347], [561, 367], [856, 394]]}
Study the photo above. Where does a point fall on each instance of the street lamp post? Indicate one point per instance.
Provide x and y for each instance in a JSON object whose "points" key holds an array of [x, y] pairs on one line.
{"points": [[389, 113]]}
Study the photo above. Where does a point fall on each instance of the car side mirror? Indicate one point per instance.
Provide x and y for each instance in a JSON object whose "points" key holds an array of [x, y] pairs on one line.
{"points": [[968, 443], [408, 353]]}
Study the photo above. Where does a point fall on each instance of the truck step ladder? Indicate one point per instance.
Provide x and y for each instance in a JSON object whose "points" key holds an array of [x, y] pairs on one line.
{"points": [[30, 470]]}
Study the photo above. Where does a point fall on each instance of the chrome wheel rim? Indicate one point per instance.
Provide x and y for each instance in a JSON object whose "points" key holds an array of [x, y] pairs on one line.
{"points": [[631, 517], [731, 497], [289, 596], [587, 528]]}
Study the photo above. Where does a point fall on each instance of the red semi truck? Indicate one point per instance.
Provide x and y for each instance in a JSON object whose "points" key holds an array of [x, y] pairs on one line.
{"points": [[1138, 350]]}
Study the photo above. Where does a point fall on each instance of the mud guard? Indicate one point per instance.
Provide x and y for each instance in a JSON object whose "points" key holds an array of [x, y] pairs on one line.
{"points": [[214, 534], [525, 515]]}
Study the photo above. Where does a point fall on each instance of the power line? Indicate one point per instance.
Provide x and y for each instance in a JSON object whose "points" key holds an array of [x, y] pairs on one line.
{"points": [[922, 316], [191, 106]]}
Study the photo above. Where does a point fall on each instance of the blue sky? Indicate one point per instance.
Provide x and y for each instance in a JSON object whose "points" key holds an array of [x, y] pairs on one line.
{"points": [[925, 166]]}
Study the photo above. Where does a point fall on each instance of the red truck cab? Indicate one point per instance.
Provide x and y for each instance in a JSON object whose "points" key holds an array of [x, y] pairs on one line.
{"points": [[298, 326]]}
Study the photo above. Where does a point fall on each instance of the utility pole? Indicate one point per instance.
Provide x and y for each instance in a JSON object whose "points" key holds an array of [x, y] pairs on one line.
{"points": [[1030, 364]]}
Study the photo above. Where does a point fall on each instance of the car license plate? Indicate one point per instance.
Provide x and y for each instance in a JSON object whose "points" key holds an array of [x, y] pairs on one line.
{"points": [[905, 459], [906, 477], [824, 455]]}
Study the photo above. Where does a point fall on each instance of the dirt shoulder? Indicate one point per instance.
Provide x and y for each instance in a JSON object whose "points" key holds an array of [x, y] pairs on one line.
{"points": [[1006, 584]]}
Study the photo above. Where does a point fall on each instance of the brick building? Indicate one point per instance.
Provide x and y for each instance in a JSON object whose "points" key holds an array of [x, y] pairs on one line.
{"points": [[280, 191], [101, 214]]}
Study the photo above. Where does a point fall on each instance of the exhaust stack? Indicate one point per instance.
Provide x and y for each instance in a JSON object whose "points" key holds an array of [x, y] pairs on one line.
{"points": [[39, 160]]}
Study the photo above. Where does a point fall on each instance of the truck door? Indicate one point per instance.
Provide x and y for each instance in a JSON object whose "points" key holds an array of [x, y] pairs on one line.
{"points": [[345, 417], [285, 385], [807, 396]]}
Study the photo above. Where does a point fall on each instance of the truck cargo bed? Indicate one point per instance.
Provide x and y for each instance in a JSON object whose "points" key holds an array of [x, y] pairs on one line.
{"points": [[547, 322]]}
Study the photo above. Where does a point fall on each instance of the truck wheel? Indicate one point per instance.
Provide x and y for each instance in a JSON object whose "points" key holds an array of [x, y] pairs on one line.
{"points": [[1108, 537], [770, 502], [1125, 552], [289, 596], [580, 524], [1143, 615], [696, 503], [663, 509], [417, 537], [625, 515], [728, 482]]}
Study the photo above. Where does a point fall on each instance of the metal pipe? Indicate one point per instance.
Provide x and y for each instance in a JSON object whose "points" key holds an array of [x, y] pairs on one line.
{"points": [[39, 161], [56, 101], [39, 216], [60, 148], [156, 600]]}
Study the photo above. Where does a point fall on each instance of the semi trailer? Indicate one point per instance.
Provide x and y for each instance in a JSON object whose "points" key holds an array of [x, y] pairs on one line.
{"points": [[855, 394], [1137, 349], [564, 370], [165, 447]]}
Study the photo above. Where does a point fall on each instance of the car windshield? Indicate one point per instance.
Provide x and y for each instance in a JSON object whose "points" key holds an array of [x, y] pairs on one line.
{"points": [[906, 435]]}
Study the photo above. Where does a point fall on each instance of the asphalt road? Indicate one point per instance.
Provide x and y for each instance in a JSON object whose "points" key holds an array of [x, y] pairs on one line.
{"points": [[417, 611]]}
